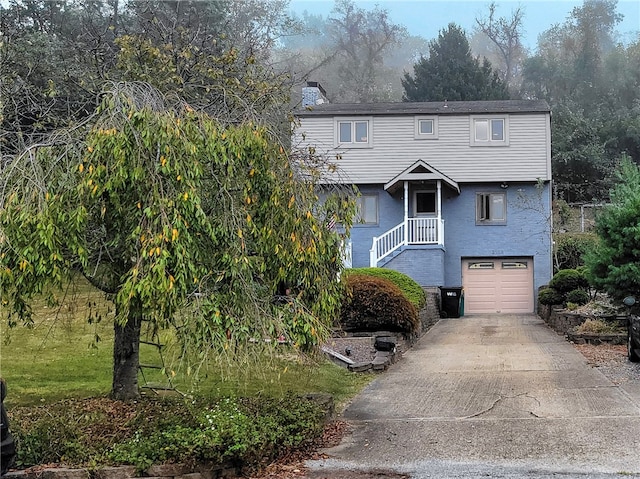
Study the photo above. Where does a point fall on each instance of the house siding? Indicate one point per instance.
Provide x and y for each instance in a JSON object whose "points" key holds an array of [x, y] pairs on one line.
{"points": [[395, 148], [390, 214], [527, 233]]}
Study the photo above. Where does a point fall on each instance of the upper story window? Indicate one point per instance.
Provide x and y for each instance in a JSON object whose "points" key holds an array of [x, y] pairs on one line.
{"points": [[491, 208], [489, 131], [367, 210], [353, 132], [426, 128]]}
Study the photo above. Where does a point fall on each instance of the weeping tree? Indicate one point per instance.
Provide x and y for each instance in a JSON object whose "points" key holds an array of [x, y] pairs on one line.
{"points": [[179, 220]]}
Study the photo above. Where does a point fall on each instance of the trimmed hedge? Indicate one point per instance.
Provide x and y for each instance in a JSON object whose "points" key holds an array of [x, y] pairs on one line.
{"points": [[412, 290], [568, 280], [376, 304], [568, 285], [578, 296], [550, 296]]}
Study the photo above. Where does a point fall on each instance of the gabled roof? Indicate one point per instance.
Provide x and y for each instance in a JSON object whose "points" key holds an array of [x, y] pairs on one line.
{"points": [[426, 108], [420, 170]]}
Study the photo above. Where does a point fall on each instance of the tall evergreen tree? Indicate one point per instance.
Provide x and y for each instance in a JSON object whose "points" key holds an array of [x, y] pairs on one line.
{"points": [[450, 72], [614, 265]]}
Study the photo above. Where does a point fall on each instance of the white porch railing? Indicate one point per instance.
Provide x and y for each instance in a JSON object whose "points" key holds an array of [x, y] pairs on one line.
{"points": [[413, 231]]}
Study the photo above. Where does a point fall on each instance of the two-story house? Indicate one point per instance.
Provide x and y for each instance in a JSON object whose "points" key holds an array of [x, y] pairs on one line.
{"points": [[452, 193]]}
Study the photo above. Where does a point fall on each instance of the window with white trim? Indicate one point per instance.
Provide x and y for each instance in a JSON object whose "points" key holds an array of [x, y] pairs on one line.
{"points": [[367, 210], [426, 128], [491, 208], [489, 131], [353, 132]]}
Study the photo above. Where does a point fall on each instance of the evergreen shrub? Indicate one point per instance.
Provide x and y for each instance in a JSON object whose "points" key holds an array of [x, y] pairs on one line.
{"points": [[412, 290], [578, 296], [549, 296], [376, 304], [569, 279]]}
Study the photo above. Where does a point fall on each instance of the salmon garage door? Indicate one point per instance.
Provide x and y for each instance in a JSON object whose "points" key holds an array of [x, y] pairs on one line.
{"points": [[498, 285]]}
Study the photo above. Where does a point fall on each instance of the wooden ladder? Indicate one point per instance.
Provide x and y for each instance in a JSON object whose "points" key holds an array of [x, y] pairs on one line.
{"points": [[154, 341]]}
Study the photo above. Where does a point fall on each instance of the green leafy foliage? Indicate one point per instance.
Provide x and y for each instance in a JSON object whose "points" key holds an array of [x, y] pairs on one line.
{"points": [[550, 296], [578, 296], [591, 82], [101, 432], [567, 280], [614, 265], [597, 326], [570, 248], [180, 220], [412, 290], [376, 304]]}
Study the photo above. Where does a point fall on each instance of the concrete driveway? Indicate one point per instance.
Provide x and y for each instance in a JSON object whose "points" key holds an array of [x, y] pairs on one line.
{"points": [[490, 396]]}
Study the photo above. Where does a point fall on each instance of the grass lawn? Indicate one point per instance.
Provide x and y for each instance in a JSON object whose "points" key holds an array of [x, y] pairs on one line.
{"points": [[64, 356], [59, 373]]}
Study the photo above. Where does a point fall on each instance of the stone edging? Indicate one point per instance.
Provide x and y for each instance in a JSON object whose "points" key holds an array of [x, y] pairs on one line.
{"points": [[167, 471], [591, 338]]}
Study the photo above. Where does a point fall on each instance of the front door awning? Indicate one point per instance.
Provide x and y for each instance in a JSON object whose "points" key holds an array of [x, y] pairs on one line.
{"points": [[420, 171]]}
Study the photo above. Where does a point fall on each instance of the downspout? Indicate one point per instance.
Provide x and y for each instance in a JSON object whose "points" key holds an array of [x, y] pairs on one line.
{"points": [[406, 212]]}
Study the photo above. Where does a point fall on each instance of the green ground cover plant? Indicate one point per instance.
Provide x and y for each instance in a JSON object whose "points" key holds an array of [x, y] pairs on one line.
{"points": [[97, 432]]}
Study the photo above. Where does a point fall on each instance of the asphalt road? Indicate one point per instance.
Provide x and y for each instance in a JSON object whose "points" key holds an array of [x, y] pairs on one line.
{"points": [[489, 396]]}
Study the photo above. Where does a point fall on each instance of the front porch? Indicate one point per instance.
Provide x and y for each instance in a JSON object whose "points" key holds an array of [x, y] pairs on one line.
{"points": [[422, 223], [412, 231]]}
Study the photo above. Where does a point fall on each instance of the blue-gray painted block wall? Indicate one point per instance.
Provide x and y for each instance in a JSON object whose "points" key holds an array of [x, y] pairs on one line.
{"points": [[390, 214], [527, 232], [425, 266]]}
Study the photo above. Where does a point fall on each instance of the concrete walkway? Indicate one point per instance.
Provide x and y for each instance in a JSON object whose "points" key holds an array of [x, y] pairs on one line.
{"points": [[491, 396]]}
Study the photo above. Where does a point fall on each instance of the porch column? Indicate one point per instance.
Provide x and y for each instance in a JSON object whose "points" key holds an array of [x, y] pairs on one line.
{"points": [[439, 211], [406, 212]]}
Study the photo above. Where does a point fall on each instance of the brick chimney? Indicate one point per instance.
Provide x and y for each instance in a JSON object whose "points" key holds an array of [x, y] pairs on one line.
{"points": [[313, 94]]}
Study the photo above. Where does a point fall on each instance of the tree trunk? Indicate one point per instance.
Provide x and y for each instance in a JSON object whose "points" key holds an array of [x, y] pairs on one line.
{"points": [[126, 356]]}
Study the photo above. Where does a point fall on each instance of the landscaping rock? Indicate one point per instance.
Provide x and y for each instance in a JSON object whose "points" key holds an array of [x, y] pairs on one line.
{"points": [[360, 367], [50, 473], [168, 470], [380, 363], [120, 472]]}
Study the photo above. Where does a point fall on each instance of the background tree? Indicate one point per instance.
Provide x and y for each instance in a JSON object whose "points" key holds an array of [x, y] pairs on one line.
{"points": [[451, 73], [591, 84], [54, 59], [352, 52], [179, 221], [614, 265], [505, 51]]}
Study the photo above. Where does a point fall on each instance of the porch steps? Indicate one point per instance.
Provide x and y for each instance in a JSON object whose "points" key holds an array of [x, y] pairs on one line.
{"points": [[390, 257]]}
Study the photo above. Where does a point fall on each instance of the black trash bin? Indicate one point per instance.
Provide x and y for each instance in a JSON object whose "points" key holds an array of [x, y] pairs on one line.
{"points": [[451, 302]]}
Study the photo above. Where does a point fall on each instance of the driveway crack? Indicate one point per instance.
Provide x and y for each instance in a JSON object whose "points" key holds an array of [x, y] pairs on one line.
{"points": [[498, 400]]}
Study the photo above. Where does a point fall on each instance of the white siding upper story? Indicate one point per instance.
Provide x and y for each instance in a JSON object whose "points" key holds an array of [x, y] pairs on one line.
{"points": [[393, 146]]}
